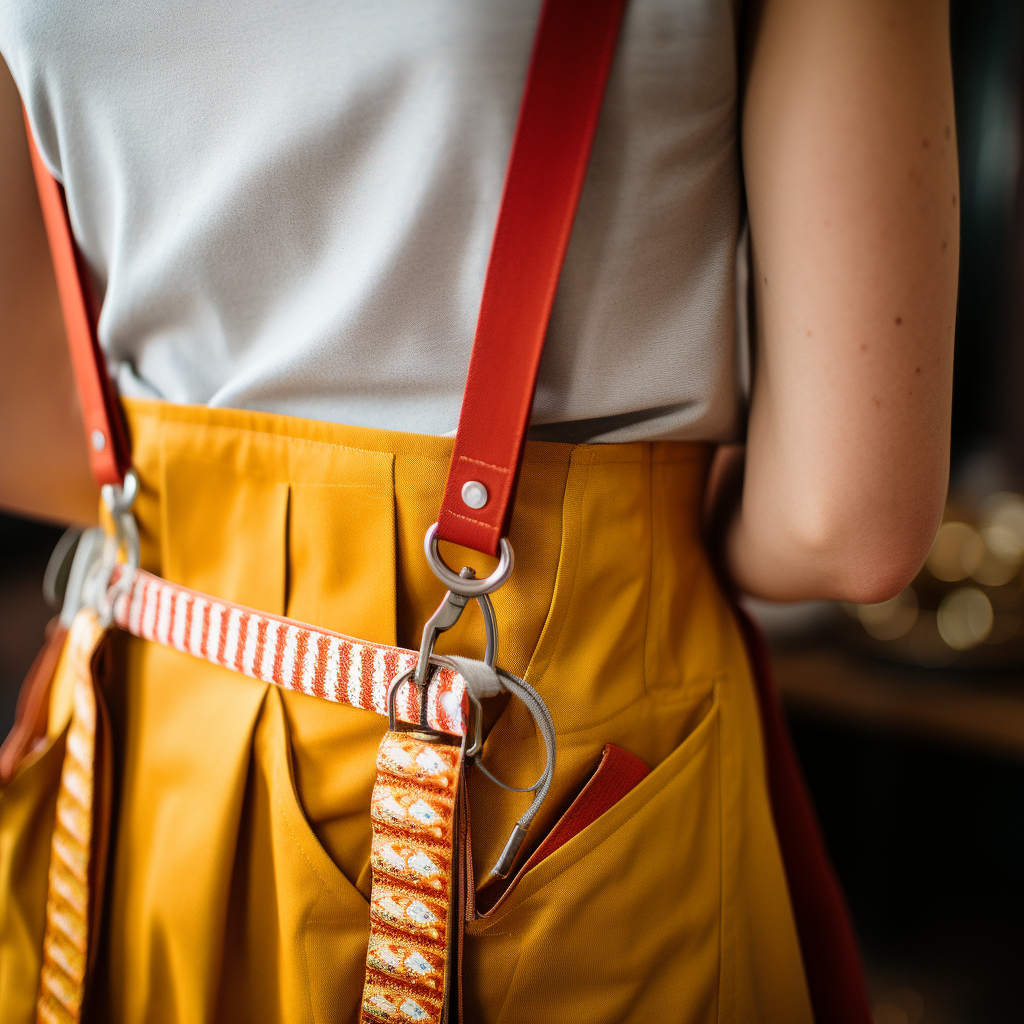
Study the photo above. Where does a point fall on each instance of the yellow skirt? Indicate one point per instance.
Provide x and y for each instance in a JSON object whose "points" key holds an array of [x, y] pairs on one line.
{"points": [[239, 870]]}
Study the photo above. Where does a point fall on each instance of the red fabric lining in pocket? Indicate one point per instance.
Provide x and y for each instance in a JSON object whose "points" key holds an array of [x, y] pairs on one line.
{"points": [[616, 774]]}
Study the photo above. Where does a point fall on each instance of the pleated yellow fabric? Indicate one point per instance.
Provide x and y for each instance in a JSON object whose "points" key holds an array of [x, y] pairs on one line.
{"points": [[28, 811], [240, 865]]}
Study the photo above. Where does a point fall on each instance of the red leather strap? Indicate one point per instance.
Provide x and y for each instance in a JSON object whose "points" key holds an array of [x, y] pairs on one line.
{"points": [[109, 452], [564, 90]]}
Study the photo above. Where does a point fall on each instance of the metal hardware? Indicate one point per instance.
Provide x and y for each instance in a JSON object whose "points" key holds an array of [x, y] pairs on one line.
{"points": [[490, 629], [467, 586], [503, 865], [474, 727], [392, 692], [98, 591], [474, 494], [58, 568], [99, 440], [461, 588], [449, 611], [87, 560], [119, 499]]}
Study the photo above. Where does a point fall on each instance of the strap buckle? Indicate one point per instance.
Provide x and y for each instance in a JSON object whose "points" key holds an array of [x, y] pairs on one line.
{"points": [[472, 739]]}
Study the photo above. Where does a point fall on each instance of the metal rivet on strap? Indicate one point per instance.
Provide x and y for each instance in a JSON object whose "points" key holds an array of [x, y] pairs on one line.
{"points": [[99, 440], [474, 494]]}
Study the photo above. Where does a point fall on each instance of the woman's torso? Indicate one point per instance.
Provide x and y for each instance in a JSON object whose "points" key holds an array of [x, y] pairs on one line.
{"points": [[289, 208]]}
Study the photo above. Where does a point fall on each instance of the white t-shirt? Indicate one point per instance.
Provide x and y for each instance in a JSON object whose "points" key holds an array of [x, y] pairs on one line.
{"points": [[289, 206]]}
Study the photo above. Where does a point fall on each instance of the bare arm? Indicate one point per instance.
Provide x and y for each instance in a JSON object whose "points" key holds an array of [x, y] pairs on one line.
{"points": [[44, 469], [849, 154]]}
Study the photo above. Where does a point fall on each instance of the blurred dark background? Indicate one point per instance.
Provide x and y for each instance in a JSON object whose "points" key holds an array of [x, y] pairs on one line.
{"points": [[912, 742]]}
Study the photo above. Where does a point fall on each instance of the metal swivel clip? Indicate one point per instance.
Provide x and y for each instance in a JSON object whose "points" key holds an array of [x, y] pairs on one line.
{"points": [[462, 588]]}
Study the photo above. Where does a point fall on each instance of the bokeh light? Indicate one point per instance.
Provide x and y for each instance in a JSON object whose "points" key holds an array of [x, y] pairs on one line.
{"points": [[965, 618], [891, 619], [957, 552]]}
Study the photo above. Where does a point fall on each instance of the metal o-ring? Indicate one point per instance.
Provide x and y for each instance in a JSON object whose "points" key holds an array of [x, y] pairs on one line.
{"points": [[458, 584]]}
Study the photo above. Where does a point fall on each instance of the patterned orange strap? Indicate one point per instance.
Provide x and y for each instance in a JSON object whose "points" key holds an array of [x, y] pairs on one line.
{"points": [[413, 864], [74, 889]]}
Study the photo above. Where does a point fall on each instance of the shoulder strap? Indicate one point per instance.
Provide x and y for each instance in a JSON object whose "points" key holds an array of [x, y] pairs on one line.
{"points": [[109, 453], [565, 85], [564, 91]]}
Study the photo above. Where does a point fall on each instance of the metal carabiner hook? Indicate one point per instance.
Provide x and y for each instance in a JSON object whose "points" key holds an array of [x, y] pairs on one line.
{"points": [[462, 588], [449, 611]]}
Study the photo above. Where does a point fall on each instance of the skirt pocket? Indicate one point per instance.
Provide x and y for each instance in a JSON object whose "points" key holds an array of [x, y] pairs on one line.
{"points": [[622, 922]]}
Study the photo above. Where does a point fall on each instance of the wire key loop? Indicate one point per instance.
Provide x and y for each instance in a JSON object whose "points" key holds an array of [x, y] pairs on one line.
{"points": [[484, 680]]}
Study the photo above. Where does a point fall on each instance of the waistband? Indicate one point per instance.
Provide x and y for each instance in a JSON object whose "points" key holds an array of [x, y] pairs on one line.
{"points": [[324, 523]]}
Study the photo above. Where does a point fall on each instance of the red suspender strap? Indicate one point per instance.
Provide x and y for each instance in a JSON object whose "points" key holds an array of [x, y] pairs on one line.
{"points": [[564, 90], [109, 453]]}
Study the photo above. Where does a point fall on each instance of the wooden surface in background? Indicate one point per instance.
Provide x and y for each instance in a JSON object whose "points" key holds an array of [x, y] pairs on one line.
{"points": [[975, 709]]}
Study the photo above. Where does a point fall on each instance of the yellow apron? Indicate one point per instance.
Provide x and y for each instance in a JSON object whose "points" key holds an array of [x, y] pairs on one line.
{"points": [[239, 870]]}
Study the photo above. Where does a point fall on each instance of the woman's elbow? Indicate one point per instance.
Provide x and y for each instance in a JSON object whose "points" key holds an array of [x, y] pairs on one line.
{"points": [[869, 554], [879, 572]]}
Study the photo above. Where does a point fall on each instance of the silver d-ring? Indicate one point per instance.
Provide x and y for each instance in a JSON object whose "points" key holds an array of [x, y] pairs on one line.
{"points": [[460, 585]]}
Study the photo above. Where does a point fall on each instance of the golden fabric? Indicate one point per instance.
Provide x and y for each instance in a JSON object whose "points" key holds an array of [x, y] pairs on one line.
{"points": [[240, 862]]}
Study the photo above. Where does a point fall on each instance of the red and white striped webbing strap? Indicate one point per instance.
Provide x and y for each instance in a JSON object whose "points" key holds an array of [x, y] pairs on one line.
{"points": [[290, 654]]}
